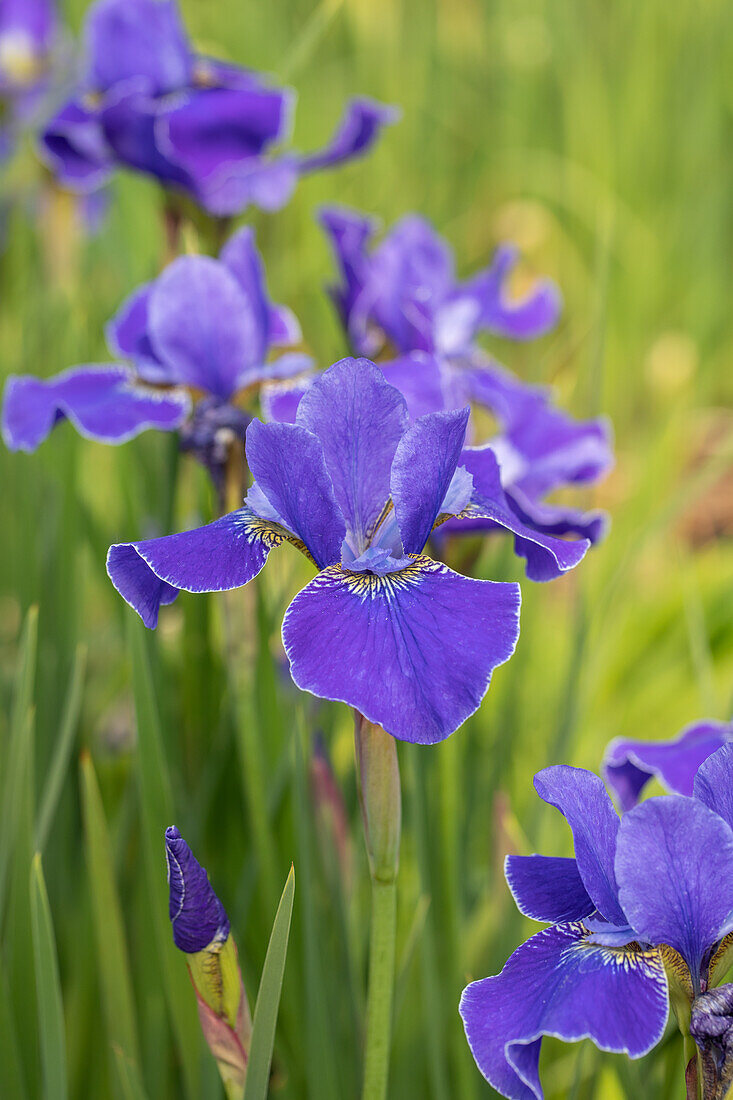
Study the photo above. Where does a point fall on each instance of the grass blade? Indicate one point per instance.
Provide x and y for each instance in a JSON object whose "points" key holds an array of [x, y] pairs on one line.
{"points": [[48, 987], [62, 752], [114, 966], [131, 1086], [268, 998]]}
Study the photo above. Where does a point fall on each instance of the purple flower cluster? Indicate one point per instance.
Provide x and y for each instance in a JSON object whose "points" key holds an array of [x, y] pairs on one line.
{"points": [[201, 127], [646, 896]]}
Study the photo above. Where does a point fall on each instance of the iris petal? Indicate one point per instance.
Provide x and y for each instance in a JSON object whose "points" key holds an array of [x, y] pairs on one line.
{"points": [[104, 403], [557, 984], [547, 888], [714, 782], [413, 651]]}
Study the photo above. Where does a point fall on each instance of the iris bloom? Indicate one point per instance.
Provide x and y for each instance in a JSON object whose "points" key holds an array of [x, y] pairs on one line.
{"points": [[205, 327], [28, 33], [199, 126], [201, 931], [404, 296], [646, 895], [629, 765], [358, 489]]}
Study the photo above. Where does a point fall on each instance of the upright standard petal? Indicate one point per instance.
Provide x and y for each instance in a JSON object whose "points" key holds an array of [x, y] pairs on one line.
{"points": [[288, 466], [197, 915], [241, 257], [357, 131], [674, 865], [714, 783], [584, 803], [137, 38], [359, 420], [413, 650], [629, 765], [104, 403], [557, 984], [423, 468], [349, 234], [547, 888], [222, 555], [547, 557], [202, 326], [127, 336]]}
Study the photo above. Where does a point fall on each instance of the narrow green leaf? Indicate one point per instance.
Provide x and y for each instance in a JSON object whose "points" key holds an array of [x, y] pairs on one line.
{"points": [[26, 672], [268, 998], [157, 813], [131, 1086], [113, 962], [48, 988], [11, 1070], [62, 752]]}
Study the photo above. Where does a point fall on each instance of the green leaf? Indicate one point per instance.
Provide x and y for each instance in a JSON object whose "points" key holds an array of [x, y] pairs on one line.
{"points": [[62, 751], [131, 1086], [113, 962], [157, 813], [268, 998], [11, 1070], [48, 987]]}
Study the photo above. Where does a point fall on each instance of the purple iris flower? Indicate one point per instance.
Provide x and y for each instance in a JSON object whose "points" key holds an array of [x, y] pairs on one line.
{"points": [[653, 887], [358, 489], [29, 39], [199, 126], [197, 915], [205, 326], [629, 765], [404, 295]]}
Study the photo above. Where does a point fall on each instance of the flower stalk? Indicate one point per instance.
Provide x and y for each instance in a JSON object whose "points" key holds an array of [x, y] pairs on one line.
{"points": [[381, 803]]}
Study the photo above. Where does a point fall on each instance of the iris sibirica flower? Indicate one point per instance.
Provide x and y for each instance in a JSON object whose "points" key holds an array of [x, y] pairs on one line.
{"points": [[358, 489], [403, 297], [199, 126], [205, 328], [629, 765], [28, 36], [643, 911], [201, 931]]}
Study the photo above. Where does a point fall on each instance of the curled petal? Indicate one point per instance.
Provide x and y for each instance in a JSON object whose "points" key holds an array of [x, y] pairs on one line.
{"points": [[413, 651], [74, 146], [629, 765], [222, 555], [547, 888], [349, 234], [557, 520], [583, 801], [356, 133], [128, 336], [105, 404], [289, 468], [523, 318], [197, 915], [557, 984], [359, 420], [674, 865], [280, 400]]}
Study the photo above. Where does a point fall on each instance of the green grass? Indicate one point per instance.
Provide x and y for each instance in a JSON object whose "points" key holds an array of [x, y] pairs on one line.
{"points": [[598, 135]]}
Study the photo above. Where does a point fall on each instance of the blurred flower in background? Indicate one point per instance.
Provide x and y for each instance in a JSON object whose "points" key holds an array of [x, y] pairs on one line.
{"points": [[199, 126], [641, 915], [29, 39]]}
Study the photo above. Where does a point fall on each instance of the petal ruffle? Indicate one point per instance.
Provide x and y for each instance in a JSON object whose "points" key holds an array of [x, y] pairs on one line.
{"points": [[413, 651], [103, 403], [674, 866], [547, 888], [288, 466], [203, 326], [584, 803], [222, 555], [714, 783], [423, 468], [518, 319], [629, 765], [557, 984], [359, 419]]}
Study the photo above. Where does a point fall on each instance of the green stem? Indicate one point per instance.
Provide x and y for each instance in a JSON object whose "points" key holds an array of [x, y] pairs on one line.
{"points": [[381, 988], [381, 804]]}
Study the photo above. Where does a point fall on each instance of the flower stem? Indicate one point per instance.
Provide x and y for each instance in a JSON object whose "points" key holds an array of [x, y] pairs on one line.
{"points": [[381, 983], [379, 776]]}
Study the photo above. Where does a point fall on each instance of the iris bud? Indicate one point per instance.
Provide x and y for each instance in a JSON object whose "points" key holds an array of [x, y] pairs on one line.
{"points": [[711, 1026]]}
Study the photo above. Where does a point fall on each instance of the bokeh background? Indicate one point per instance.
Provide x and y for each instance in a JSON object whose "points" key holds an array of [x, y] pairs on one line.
{"points": [[597, 136]]}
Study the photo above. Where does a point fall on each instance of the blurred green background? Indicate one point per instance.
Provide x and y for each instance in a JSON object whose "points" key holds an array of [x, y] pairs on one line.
{"points": [[597, 136]]}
